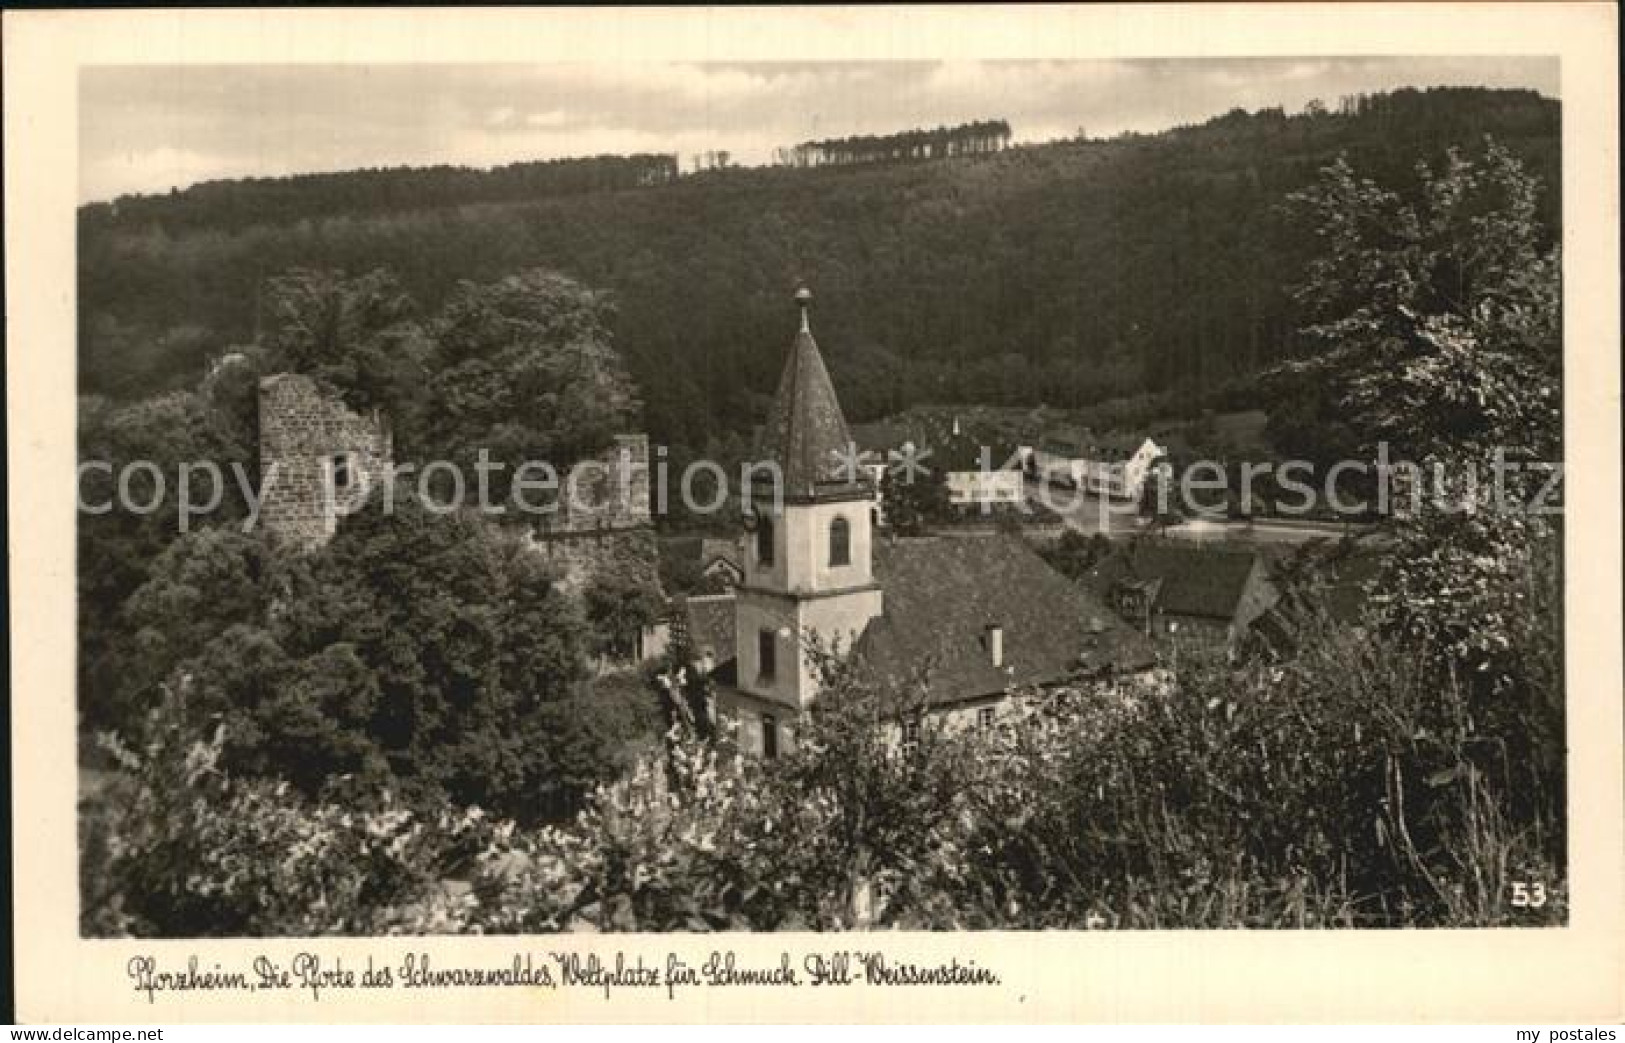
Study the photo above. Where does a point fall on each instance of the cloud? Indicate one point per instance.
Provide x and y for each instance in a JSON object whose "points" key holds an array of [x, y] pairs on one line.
{"points": [[550, 118], [151, 170]]}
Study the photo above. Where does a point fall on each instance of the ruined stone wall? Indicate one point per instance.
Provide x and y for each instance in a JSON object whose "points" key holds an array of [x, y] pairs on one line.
{"points": [[305, 428], [602, 527], [608, 491]]}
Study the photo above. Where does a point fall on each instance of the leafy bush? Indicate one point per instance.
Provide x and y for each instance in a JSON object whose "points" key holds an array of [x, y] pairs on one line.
{"points": [[1352, 784], [174, 846]]}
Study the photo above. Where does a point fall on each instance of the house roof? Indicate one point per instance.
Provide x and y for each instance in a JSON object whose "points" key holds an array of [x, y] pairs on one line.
{"points": [[806, 432], [704, 623], [1338, 579], [1333, 583], [1194, 580], [701, 550], [713, 548], [1087, 445], [942, 593]]}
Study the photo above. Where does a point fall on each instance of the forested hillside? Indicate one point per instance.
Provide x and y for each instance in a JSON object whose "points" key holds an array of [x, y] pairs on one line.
{"points": [[1061, 274]]}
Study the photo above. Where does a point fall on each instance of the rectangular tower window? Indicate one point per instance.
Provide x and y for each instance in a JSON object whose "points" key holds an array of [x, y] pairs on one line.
{"points": [[764, 541], [767, 654]]}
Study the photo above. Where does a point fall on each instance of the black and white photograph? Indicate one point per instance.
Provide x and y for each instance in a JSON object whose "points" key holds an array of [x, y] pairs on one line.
{"points": [[704, 507]]}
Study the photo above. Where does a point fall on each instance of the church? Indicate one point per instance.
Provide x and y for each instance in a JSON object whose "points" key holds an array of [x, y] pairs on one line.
{"points": [[981, 615]]}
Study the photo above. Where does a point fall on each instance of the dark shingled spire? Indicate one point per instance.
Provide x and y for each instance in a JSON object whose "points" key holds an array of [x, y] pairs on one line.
{"points": [[806, 433]]}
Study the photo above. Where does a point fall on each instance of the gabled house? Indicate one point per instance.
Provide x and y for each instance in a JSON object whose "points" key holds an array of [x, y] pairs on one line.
{"points": [[716, 560], [1104, 465], [1325, 584], [971, 480], [979, 616], [704, 624]]}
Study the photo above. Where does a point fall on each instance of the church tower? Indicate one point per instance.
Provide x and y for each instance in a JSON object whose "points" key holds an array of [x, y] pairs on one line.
{"points": [[808, 560]]}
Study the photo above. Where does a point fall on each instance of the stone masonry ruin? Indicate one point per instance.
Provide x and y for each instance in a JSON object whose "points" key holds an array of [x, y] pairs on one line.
{"points": [[327, 456], [318, 459], [602, 524]]}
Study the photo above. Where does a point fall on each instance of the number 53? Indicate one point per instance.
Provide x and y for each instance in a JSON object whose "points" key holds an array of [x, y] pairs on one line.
{"points": [[1528, 896]]}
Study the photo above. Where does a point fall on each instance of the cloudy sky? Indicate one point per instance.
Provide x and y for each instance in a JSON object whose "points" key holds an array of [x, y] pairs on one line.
{"points": [[148, 129]]}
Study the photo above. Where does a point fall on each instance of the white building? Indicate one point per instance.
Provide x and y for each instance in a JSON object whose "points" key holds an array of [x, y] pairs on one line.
{"points": [[1109, 467]]}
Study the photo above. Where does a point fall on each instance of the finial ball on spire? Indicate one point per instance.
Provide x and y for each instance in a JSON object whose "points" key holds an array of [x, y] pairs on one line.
{"points": [[804, 302]]}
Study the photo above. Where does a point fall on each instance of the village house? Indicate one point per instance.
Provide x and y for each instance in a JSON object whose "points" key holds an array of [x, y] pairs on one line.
{"points": [[978, 616], [1200, 596], [704, 625], [954, 453], [979, 475], [714, 560], [1332, 586]]}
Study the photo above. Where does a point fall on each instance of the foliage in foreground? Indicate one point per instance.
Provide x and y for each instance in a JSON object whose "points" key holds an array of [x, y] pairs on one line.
{"points": [[1350, 786]]}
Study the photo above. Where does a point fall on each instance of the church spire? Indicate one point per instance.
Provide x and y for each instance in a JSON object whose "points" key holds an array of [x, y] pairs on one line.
{"points": [[806, 432]]}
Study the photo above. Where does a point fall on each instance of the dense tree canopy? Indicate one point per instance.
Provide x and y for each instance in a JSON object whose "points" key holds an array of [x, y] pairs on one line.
{"points": [[250, 201], [1436, 332], [1062, 273], [967, 139], [361, 335], [523, 368], [429, 652]]}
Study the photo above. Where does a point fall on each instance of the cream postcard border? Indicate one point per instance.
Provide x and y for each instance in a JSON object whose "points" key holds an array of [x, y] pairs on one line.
{"points": [[1572, 974]]}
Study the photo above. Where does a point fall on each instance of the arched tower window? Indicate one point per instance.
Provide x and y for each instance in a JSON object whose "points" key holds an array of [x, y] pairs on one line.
{"points": [[764, 540], [840, 542], [341, 472]]}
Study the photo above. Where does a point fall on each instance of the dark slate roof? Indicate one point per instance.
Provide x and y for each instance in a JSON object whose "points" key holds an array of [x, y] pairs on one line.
{"points": [[1087, 445], [1196, 580], [715, 547], [806, 433], [705, 623], [941, 593], [1334, 585]]}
